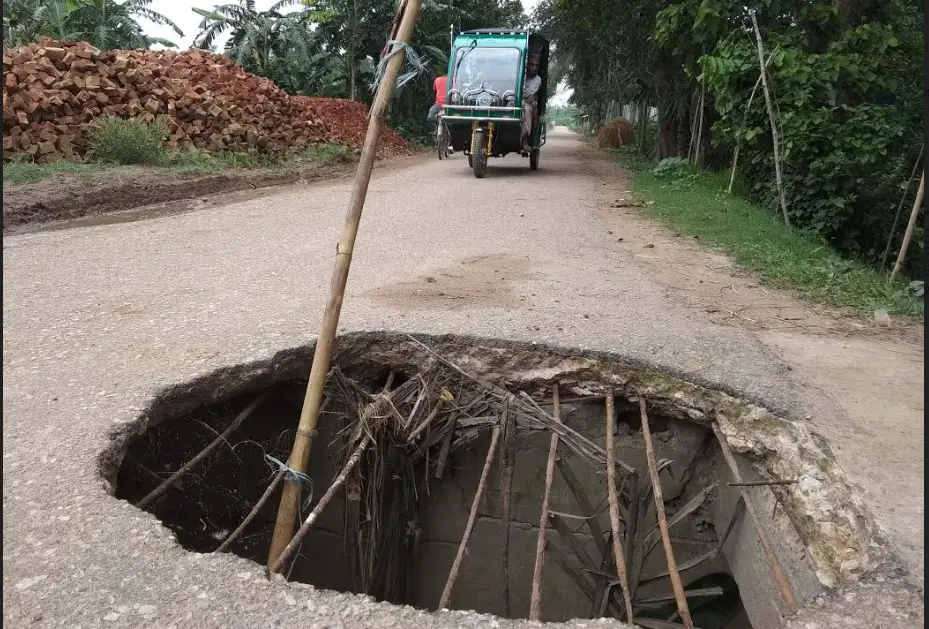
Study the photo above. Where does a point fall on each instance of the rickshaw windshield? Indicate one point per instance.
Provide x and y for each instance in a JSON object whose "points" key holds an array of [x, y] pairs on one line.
{"points": [[497, 68]]}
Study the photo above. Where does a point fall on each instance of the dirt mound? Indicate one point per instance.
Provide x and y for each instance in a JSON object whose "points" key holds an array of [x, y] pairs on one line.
{"points": [[348, 124], [54, 91], [615, 133]]}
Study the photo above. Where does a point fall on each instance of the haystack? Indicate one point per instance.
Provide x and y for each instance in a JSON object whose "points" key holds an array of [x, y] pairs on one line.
{"points": [[615, 133]]}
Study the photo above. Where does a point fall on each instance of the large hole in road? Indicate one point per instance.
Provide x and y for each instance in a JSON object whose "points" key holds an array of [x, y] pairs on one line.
{"points": [[393, 530]]}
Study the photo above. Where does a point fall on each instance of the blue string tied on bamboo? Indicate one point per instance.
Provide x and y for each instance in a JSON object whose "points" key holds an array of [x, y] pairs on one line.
{"points": [[301, 479], [414, 64]]}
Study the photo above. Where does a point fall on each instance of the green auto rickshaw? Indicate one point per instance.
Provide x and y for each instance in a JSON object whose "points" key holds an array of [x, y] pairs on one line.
{"points": [[497, 92]]}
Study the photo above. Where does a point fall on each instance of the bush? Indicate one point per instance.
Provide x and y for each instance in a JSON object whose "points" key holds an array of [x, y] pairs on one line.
{"points": [[849, 110], [672, 168], [129, 142]]}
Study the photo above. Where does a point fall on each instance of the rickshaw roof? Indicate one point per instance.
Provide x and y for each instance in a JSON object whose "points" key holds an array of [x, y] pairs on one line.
{"points": [[509, 36], [496, 31]]}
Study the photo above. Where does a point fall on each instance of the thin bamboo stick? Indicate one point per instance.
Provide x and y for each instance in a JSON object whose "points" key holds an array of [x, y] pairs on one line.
{"points": [[698, 159], [763, 483], [774, 137], [443, 452], [585, 506], [475, 505], [738, 144], [690, 130], [675, 576], [901, 257], [535, 601], [309, 415], [241, 417], [289, 550], [507, 471], [906, 189], [632, 528], [614, 507], [278, 478], [777, 572], [444, 398]]}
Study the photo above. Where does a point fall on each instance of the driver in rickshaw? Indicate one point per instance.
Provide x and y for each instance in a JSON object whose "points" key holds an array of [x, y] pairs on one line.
{"points": [[531, 86]]}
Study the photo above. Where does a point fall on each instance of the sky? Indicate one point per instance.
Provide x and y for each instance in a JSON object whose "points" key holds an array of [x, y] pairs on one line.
{"points": [[182, 15]]}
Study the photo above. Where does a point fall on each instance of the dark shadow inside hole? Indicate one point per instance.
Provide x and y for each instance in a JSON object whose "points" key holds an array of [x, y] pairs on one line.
{"points": [[412, 565]]}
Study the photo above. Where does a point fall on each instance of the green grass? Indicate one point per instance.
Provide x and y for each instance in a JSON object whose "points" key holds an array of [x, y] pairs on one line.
{"points": [[189, 161], [29, 172], [129, 142], [698, 205]]}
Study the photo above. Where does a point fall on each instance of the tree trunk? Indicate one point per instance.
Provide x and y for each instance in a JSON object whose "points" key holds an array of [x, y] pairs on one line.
{"points": [[352, 52], [643, 124], [352, 80], [668, 127]]}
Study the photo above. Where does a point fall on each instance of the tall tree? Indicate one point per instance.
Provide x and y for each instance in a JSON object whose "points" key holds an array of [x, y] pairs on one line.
{"points": [[26, 21], [107, 24], [236, 18]]}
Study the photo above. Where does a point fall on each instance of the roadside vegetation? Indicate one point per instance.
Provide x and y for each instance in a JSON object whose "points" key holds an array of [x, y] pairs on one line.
{"points": [[698, 204], [841, 88]]}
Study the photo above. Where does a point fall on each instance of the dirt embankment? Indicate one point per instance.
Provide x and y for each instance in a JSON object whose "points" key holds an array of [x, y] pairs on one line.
{"points": [[55, 92], [121, 188]]}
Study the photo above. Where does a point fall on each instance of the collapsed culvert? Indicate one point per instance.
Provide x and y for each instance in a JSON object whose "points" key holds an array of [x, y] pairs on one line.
{"points": [[419, 511]]}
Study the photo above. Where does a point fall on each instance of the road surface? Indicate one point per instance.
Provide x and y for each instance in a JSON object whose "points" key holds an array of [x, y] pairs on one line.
{"points": [[96, 319]]}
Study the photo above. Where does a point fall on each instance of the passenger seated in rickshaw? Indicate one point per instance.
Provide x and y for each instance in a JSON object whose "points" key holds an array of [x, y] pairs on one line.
{"points": [[531, 87]]}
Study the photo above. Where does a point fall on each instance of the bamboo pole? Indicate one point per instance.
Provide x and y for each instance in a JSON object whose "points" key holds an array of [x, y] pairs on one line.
{"points": [[698, 159], [690, 130], [507, 470], [475, 505], [614, 507], [774, 136], [906, 188], [291, 547], [901, 257], [241, 417], [278, 479], [738, 144], [776, 570], [674, 575], [309, 415], [535, 601]]}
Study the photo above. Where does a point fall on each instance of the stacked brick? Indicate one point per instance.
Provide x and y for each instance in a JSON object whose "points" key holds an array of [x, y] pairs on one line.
{"points": [[55, 91]]}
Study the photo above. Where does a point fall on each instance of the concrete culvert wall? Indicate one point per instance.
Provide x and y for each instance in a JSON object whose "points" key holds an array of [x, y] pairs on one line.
{"points": [[420, 518]]}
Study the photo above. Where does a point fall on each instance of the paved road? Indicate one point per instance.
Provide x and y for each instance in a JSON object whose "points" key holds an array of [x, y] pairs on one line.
{"points": [[98, 318]]}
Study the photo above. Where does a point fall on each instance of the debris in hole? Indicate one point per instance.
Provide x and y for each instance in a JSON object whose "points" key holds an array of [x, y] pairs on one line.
{"points": [[399, 468]]}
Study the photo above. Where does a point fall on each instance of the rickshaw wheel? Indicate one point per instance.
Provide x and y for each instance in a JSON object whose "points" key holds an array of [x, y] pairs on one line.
{"points": [[534, 159], [442, 141], [470, 161], [480, 158]]}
